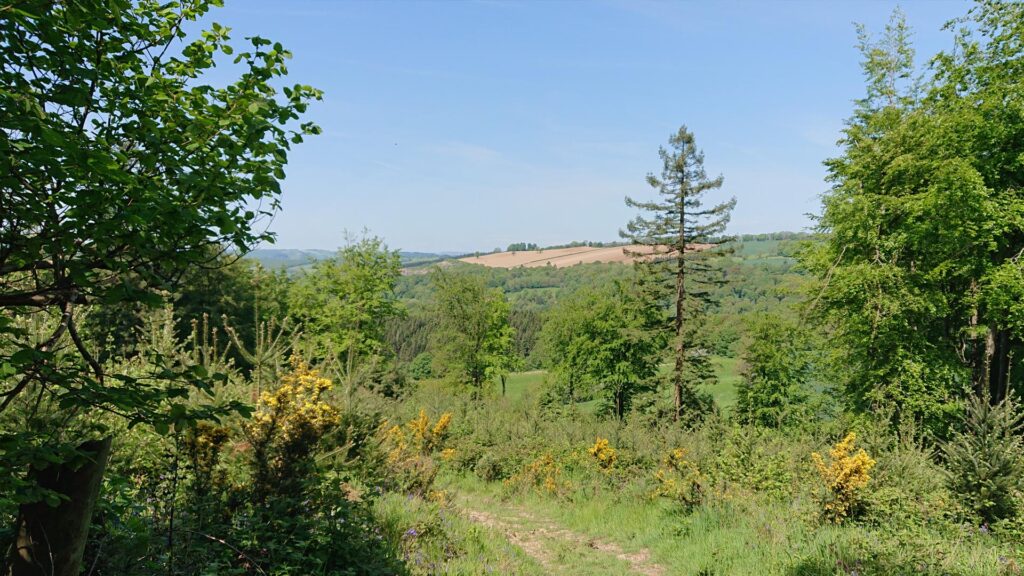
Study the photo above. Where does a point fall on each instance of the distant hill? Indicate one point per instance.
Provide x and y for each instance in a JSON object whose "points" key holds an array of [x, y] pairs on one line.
{"points": [[773, 245], [561, 257], [294, 259]]}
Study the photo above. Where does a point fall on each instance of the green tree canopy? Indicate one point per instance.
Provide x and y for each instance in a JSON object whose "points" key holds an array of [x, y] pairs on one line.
{"points": [[604, 341], [473, 340], [775, 372], [121, 168], [921, 268], [345, 302]]}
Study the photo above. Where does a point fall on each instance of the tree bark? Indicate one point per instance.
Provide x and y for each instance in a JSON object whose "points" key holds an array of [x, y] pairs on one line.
{"points": [[50, 541], [680, 302], [999, 365]]}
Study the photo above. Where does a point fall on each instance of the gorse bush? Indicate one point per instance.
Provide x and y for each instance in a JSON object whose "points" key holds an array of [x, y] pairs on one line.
{"points": [[410, 451], [287, 427], [984, 460], [845, 476], [604, 454], [679, 479], [544, 473]]}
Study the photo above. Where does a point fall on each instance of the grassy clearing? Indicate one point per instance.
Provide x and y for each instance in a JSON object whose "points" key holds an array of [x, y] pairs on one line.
{"points": [[756, 507], [724, 392], [526, 387], [747, 535]]}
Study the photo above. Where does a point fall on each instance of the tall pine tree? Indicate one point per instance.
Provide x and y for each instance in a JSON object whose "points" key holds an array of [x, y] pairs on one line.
{"points": [[682, 238]]}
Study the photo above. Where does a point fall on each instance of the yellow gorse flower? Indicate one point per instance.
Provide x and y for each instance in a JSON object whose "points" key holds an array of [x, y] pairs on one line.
{"points": [[604, 453], [845, 476], [295, 409], [678, 478], [417, 437]]}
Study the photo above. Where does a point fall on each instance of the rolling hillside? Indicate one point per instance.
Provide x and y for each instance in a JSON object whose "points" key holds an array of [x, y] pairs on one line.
{"points": [[560, 257]]}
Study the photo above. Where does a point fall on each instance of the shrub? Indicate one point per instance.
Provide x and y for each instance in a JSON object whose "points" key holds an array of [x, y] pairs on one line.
{"points": [[421, 366], [845, 477], [755, 459], [604, 454], [679, 479], [410, 451], [286, 429], [544, 473], [984, 463], [488, 468]]}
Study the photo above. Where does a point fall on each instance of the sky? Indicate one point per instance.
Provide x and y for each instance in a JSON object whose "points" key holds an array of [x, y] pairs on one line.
{"points": [[469, 125]]}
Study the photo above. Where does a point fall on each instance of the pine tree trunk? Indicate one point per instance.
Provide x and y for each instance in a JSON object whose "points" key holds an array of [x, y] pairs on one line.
{"points": [[680, 302], [50, 541]]}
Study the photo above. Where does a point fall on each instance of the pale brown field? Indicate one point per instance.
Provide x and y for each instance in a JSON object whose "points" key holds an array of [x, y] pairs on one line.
{"points": [[558, 257]]}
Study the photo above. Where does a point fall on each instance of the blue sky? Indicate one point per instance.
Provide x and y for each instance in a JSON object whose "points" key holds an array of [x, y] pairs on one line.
{"points": [[461, 126]]}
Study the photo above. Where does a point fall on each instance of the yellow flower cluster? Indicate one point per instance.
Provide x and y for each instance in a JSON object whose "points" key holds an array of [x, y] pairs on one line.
{"points": [[604, 453], [679, 478], [295, 410], [544, 473], [418, 436], [845, 476], [203, 444]]}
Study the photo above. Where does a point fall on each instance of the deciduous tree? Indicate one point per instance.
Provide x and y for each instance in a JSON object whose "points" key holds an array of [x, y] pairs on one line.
{"points": [[924, 224], [473, 340], [345, 302], [120, 168]]}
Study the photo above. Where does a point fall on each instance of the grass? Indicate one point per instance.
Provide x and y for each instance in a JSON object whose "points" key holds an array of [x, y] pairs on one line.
{"points": [[528, 386], [758, 509], [748, 535], [724, 391], [434, 538], [523, 386]]}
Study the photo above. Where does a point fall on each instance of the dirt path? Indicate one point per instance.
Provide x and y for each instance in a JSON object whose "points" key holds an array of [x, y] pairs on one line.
{"points": [[550, 544]]}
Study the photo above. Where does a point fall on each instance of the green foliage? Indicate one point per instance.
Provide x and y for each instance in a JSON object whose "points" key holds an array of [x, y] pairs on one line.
{"points": [[521, 247], [923, 224], [984, 459], [473, 341], [345, 302], [420, 367], [683, 239], [773, 391], [122, 168], [604, 342]]}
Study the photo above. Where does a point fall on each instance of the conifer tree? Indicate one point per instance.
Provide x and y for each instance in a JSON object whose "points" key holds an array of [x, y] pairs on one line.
{"points": [[682, 238]]}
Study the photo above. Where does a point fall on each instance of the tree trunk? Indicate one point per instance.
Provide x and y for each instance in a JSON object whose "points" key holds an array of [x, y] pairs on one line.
{"points": [[680, 302], [50, 541], [999, 365], [502, 385]]}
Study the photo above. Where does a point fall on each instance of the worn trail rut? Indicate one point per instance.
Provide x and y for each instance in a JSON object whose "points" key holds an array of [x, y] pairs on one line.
{"points": [[540, 539]]}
